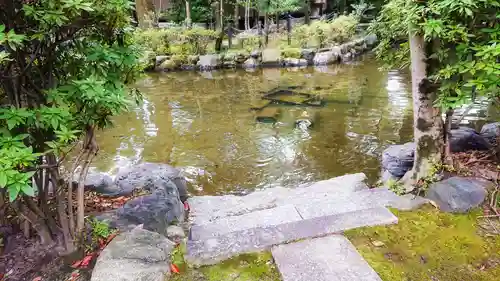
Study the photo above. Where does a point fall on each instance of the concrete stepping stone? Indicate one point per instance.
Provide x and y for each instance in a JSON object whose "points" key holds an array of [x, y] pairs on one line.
{"points": [[206, 209], [215, 249], [264, 218], [331, 258]]}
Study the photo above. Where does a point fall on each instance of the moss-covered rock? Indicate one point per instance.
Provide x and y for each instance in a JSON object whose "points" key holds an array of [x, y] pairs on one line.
{"points": [[429, 245], [168, 65], [294, 53]]}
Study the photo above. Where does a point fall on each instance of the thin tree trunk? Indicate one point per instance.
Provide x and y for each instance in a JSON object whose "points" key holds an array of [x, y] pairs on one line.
{"points": [[266, 29], [220, 27], [428, 123], [188, 14], [247, 15], [277, 22], [447, 132], [236, 16], [307, 12]]}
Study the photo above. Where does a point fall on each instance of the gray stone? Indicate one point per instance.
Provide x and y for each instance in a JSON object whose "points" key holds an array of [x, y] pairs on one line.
{"points": [[347, 57], [213, 250], [295, 62], [398, 159], [308, 55], [371, 40], [205, 209], [209, 62], [463, 139], [175, 233], [98, 182], [251, 63], [135, 255], [160, 59], [168, 65], [458, 194], [255, 54], [325, 58], [155, 211], [331, 258], [263, 218], [271, 57], [491, 132], [143, 176]]}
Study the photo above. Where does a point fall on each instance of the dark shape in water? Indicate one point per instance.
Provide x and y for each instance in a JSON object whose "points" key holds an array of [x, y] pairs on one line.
{"points": [[268, 114], [289, 97]]}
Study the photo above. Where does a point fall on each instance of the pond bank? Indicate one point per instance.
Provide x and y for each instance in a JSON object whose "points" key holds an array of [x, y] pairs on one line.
{"points": [[290, 57]]}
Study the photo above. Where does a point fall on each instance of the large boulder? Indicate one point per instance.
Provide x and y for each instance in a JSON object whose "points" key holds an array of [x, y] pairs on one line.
{"points": [[371, 39], [160, 59], [135, 255], [144, 175], [271, 57], [458, 194], [325, 58], [398, 159], [155, 211], [209, 62], [463, 139], [491, 132]]}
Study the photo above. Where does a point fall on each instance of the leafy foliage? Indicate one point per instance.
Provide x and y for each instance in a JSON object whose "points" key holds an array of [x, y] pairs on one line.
{"points": [[322, 33], [64, 70], [465, 36]]}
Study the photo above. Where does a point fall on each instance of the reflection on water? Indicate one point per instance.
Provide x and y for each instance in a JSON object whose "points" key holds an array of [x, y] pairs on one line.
{"points": [[202, 123]]}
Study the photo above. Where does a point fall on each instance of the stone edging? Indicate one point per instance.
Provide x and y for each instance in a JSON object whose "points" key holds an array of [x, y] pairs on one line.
{"points": [[269, 58]]}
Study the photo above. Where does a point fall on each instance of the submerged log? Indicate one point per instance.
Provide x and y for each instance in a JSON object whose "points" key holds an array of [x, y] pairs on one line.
{"points": [[268, 114]]}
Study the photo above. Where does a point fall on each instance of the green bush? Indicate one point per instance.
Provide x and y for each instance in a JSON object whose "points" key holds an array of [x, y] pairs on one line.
{"points": [[291, 53], [175, 40], [322, 33]]}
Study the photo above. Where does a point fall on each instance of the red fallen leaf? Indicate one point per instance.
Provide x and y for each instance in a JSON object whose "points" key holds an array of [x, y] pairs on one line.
{"points": [[86, 260], [121, 199], [38, 278], [174, 268], [110, 237], [186, 206]]}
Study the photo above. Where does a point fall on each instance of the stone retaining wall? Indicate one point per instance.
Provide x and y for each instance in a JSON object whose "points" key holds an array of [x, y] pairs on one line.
{"points": [[268, 57]]}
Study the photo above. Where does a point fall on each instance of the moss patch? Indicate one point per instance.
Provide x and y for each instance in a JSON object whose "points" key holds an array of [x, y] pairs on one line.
{"points": [[247, 267], [429, 245]]}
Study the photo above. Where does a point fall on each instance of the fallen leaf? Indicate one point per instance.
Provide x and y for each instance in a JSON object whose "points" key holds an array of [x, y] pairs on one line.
{"points": [[174, 268], [86, 260], [76, 264], [38, 278], [186, 206], [110, 237]]}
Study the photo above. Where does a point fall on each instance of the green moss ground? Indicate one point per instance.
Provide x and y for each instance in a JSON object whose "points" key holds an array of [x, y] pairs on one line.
{"points": [[430, 245], [248, 267]]}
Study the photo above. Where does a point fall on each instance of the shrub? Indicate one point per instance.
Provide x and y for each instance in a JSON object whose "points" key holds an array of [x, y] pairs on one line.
{"points": [[291, 53], [342, 29]]}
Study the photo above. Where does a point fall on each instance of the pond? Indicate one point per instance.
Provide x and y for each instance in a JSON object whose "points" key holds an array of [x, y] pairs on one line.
{"points": [[202, 123]]}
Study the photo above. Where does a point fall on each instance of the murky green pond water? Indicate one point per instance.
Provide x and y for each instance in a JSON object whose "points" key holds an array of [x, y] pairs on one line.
{"points": [[202, 122]]}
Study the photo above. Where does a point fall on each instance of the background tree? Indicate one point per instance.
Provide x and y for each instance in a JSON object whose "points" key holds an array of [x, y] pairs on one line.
{"points": [[64, 67], [454, 46]]}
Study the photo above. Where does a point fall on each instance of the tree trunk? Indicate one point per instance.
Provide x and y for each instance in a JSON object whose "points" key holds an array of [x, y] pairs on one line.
{"points": [[247, 15], [220, 27], [307, 12], [188, 14], [428, 123], [266, 29], [277, 22], [143, 9], [236, 16]]}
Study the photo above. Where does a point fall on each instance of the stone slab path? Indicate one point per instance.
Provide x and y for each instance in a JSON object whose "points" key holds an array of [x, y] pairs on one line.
{"points": [[226, 226], [319, 264]]}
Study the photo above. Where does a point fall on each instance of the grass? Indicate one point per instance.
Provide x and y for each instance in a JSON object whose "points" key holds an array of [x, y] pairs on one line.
{"points": [[430, 245], [247, 267]]}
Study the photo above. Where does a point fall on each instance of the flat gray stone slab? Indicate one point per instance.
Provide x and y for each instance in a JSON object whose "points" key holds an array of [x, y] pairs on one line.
{"points": [[213, 250], [269, 217], [331, 258], [206, 209]]}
